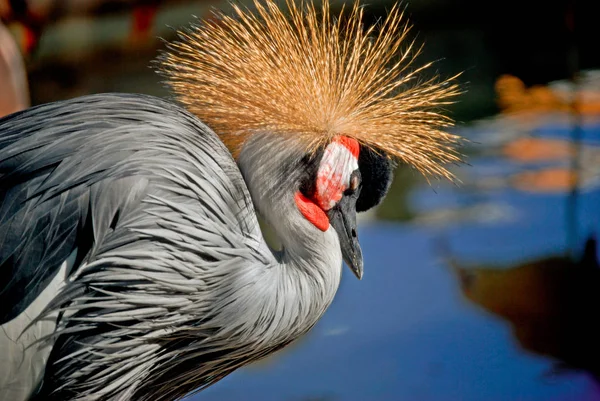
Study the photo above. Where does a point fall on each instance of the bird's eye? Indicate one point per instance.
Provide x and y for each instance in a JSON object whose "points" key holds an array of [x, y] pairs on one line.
{"points": [[354, 182]]}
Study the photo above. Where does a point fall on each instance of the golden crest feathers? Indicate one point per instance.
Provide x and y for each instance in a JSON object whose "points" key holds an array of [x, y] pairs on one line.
{"points": [[298, 71]]}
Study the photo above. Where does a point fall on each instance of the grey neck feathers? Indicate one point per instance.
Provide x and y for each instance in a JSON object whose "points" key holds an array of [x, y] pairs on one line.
{"points": [[274, 169]]}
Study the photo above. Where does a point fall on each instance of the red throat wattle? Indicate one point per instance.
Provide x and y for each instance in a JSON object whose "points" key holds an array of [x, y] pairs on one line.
{"points": [[312, 212], [340, 159]]}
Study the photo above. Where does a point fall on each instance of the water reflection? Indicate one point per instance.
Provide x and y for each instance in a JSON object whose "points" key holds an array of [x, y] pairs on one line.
{"points": [[520, 221], [551, 304]]}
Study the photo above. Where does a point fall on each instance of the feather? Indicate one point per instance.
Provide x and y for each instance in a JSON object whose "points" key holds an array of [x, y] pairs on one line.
{"points": [[298, 71]]}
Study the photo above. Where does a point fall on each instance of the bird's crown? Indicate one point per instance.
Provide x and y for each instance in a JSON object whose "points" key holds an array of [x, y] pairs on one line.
{"points": [[297, 71]]}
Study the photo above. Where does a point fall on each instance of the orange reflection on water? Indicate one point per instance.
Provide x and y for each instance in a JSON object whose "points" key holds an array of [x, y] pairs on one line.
{"points": [[557, 180], [537, 149], [514, 97]]}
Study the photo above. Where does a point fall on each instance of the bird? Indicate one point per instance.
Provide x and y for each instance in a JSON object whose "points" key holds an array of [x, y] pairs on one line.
{"points": [[133, 265]]}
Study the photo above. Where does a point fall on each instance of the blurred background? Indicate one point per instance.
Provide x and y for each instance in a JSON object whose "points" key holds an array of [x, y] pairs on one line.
{"points": [[486, 290]]}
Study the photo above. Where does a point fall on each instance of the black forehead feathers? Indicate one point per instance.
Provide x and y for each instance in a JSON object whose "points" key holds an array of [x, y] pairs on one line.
{"points": [[376, 171]]}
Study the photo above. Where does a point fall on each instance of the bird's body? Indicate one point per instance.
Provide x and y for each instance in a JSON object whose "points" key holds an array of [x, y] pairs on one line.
{"points": [[132, 264], [127, 215]]}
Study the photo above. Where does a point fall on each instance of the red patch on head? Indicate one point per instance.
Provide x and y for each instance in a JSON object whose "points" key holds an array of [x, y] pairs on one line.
{"points": [[330, 190], [350, 143], [312, 211]]}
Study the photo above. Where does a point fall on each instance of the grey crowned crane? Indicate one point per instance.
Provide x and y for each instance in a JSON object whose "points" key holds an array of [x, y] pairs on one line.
{"points": [[132, 263]]}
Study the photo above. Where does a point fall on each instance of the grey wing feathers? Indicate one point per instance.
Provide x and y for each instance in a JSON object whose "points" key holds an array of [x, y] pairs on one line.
{"points": [[73, 172]]}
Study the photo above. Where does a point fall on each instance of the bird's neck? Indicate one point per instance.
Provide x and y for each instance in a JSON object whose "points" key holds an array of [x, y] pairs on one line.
{"points": [[307, 274], [310, 260], [306, 252]]}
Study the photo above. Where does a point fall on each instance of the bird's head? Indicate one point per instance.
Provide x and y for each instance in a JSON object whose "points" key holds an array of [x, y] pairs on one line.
{"points": [[342, 180], [314, 107], [321, 191]]}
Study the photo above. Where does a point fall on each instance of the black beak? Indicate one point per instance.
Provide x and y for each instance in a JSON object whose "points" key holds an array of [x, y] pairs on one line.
{"points": [[343, 219]]}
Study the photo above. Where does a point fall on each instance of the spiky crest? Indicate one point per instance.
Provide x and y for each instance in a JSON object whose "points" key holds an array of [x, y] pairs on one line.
{"points": [[298, 71]]}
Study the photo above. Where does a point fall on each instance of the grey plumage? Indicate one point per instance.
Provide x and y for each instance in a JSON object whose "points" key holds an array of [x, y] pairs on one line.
{"points": [[171, 286], [132, 264]]}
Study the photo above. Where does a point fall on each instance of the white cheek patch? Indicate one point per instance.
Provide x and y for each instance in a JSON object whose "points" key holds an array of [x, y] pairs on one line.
{"points": [[339, 161]]}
